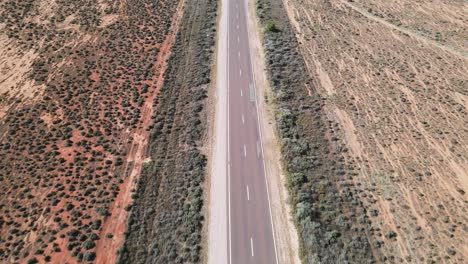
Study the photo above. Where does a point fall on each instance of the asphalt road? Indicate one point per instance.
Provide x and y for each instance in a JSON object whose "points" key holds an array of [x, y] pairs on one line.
{"points": [[250, 230], [240, 225]]}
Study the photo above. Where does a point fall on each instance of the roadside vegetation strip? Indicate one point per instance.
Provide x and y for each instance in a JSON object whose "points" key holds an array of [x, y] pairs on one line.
{"points": [[331, 221], [165, 222]]}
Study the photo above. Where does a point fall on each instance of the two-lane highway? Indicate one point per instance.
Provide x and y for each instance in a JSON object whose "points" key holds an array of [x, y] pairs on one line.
{"points": [[251, 238], [240, 223]]}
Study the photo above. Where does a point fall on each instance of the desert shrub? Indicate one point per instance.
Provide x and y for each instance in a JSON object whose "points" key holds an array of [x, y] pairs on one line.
{"points": [[390, 234], [451, 251], [89, 256], [32, 261], [96, 224], [73, 232], [271, 27], [93, 236], [89, 244]]}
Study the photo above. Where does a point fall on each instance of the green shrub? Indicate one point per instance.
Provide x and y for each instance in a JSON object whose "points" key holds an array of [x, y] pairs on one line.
{"points": [[271, 27]]}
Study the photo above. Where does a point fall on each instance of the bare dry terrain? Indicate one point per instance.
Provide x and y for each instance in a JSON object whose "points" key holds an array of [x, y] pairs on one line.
{"points": [[393, 78], [78, 87]]}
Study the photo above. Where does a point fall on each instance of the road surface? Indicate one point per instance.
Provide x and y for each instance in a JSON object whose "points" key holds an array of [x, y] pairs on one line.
{"points": [[239, 184]]}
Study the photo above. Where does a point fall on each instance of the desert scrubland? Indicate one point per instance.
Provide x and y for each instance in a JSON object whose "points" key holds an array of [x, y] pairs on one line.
{"points": [[78, 92], [380, 89]]}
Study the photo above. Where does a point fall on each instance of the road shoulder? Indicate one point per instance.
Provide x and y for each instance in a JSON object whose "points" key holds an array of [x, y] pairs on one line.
{"points": [[217, 212]]}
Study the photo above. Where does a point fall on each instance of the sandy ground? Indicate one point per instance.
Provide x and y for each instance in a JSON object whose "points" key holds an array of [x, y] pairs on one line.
{"points": [[443, 21], [405, 30], [15, 65], [287, 242]]}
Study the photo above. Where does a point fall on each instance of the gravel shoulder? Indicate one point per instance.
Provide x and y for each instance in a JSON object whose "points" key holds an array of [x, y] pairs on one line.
{"points": [[217, 217]]}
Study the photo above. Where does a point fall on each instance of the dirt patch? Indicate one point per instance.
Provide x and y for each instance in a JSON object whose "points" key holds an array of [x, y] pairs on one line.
{"points": [[349, 131], [15, 65], [324, 79], [108, 19]]}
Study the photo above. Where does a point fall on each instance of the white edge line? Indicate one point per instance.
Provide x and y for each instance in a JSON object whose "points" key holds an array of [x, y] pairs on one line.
{"points": [[261, 139], [228, 154]]}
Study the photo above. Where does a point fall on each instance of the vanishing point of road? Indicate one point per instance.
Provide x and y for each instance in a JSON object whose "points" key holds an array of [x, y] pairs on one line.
{"points": [[241, 227]]}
